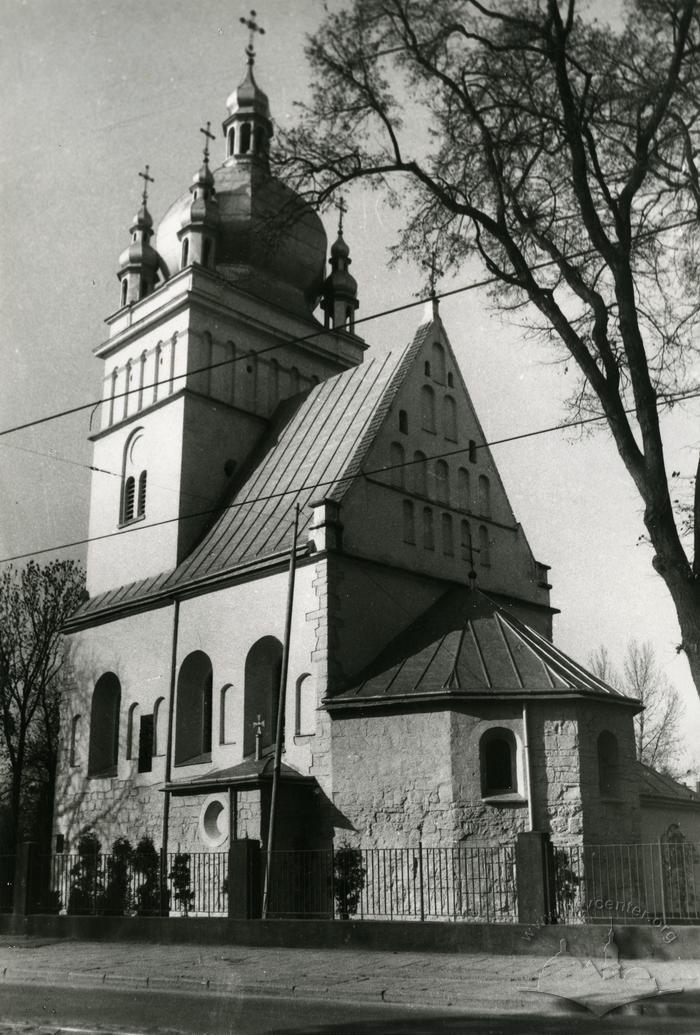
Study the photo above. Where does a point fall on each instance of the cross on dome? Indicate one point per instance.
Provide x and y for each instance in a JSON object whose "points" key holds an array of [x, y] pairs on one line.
{"points": [[207, 137], [146, 180], [342, 209], [252, 27]]}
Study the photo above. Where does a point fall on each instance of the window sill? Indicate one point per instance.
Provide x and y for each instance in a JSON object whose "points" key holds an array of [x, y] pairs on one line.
{"points": [[104, 774], [504, 798], [301, 738], [132, 521], [197, 760]]}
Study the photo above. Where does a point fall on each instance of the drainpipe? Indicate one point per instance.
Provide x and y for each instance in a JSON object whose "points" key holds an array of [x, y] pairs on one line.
{"points": [[169, 750], [528, 776]]}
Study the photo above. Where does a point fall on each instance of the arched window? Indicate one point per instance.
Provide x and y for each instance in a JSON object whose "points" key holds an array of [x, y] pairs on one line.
{"points": [[305, 711], [438, 363], [397, 459], [403, 422], [206, 251], [74, 740], [231, 139], [245, 138], [141, 505], [497, 753], [463, 488], [125, 288], [428, 529], [472, 451], [193, 710], [442, 482], [104, 726], [447, 537], [409, 522], [129, 498], [160, 727], [484, 546], [185, 253], [263, 668], [145, 745], [426, 368], [229, 717], [450, 380], [427, 396], [484, 495], [449, 418], [132, 731], [420, 473], [608, 765], [465, 539]]}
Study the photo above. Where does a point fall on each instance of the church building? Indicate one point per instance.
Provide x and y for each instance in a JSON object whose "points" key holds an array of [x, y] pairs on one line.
{"points": [[425, 698]]}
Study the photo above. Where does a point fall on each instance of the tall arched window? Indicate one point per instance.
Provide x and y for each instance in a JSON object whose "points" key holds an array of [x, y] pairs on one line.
{"points": [[305, 711], [185, 253], [193, 710], [263, 669], [608, 765], [245, 138], [427, 408], [206, 251], [442, 481], [409, 522], [465, 540], [125, 288], [133, 502], [484, 546], [472, 451], [447, 537], [104, 726], [449, 418], [463, 488], [484, 495], [397, 458], [498, 757], [428, 529], [229, 714], [74, 740], [403, 422], [129, 498], [160, 727], [132, 731], [141, 503], [438, 357], [231, 139], [420, 473]]}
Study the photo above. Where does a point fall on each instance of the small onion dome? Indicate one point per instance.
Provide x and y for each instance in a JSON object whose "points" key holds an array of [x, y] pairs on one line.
{"points": [[142, 220], [203, 207], [204, 179], [140, 252], [248, 98], [339, 248], [340, 282]]}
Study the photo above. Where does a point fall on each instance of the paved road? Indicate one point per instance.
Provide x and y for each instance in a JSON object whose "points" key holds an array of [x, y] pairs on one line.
{"points": [[34, 1010]]}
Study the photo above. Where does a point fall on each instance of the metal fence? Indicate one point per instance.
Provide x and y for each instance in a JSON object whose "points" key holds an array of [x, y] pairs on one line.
{"points": [[190, 884], [7, 880], [634, 883], [420, 883]]}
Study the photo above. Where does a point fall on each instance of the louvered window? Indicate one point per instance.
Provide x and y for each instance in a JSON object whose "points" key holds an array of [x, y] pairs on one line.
{"points": [[142, 494]]}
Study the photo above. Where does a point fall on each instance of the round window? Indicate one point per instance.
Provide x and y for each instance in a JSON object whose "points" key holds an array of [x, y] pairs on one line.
{"points": [[213, 821]]}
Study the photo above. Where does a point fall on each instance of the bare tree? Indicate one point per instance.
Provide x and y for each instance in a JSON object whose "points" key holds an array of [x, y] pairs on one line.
{"points": [[34, 604], [658, 727], [562, 153]]}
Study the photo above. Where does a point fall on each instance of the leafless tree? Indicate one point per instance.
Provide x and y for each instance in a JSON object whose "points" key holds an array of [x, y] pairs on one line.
{"points": [[563, 153], [34, 604], [658, 728]]}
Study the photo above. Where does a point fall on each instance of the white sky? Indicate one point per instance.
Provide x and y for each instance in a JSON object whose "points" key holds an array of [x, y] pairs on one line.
{"points": [[92, 91]]}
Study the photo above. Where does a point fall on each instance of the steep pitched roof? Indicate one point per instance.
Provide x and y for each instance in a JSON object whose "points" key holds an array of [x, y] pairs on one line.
{"points": [[467, 645], [315, 445], [653, 784]]}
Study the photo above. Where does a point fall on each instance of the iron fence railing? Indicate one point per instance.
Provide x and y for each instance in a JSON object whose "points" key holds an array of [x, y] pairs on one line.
{"points": [[632, 883], [419, 883], [7, 880], [187, 883]]}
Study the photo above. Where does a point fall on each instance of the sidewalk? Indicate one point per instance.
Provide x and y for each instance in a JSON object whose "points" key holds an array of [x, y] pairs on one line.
{"points": [[476, 983]]}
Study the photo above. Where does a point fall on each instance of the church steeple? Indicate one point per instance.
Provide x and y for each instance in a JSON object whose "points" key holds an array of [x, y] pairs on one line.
{"points": [[200, 223], [138, 264], [248, 128], [339, 300]]}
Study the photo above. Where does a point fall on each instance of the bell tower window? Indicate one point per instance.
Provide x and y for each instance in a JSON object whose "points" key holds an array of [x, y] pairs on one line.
{"points": [[206, 251], [245, 138], [125, 288], [231, 140], [185, 252], [141, 510]]}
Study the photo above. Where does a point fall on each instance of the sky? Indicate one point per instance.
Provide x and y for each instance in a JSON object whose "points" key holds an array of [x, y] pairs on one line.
{"points": [[93, 91]]}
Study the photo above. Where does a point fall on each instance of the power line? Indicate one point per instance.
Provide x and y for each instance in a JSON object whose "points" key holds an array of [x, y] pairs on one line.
{"points": [[486, 282], [580, 422]]}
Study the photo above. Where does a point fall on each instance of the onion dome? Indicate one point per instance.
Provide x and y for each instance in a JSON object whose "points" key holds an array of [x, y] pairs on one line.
{"points": [[340, 287], [200, 219], [139, 263], [269, 241]]}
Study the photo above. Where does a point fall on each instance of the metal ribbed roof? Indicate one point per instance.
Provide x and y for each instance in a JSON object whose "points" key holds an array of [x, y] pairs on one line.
{"points": [[467, 644], [653, 784], [315, 444]]}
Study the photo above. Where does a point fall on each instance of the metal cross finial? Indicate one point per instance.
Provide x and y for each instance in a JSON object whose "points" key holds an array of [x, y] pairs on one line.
{"points": [[258, 726], [252, 27], [146, 180], [207, 137], [434, 272], [342, 209]]}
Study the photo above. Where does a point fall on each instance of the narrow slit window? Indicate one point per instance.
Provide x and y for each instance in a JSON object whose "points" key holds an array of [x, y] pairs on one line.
{"points": [[185, 252], [142, 494], [403, 422], [129, 498]]}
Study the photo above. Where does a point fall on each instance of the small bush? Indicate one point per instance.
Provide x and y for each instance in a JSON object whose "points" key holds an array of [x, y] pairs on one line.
{"points": [[117, 898], [182, 881], [348, 879], [86, 887], [146, 864]]}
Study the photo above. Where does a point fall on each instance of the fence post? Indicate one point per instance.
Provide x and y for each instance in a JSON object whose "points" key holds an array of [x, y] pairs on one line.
{"points": [[244, 883], [24, 899], [420, 879], [534, 868]]}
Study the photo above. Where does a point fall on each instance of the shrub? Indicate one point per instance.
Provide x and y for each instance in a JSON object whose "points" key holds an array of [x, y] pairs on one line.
{"points": [[146, 864], [86, 885], [348, 879], [182, 882], [117, 899]]}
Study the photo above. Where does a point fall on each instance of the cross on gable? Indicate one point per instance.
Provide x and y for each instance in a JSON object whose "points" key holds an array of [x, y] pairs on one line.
{"points": [[207, 137], [434, 271], [252, 27], [146, 180]]}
